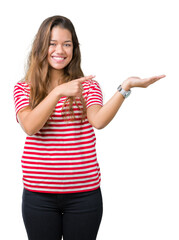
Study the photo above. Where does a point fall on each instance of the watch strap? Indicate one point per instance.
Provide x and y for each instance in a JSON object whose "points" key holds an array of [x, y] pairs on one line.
{"points": [[124, 93]]}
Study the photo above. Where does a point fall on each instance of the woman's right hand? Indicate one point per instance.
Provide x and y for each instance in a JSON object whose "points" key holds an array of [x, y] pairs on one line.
{"points": [[73, 88]]}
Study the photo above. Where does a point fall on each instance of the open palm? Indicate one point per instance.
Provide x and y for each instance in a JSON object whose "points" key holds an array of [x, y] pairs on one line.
{"points": [[143, 83]]}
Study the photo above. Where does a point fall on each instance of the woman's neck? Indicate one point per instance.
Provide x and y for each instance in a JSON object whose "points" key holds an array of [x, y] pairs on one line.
{"points": [[56, 75], [56, 78]]}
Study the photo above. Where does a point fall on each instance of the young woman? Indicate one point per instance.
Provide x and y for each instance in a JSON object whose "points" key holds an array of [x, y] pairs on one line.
{"points": [[57, 107]]}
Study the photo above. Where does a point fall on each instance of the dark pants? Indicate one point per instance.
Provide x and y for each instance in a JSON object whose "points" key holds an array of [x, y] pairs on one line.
{"points": [[75, 216]]}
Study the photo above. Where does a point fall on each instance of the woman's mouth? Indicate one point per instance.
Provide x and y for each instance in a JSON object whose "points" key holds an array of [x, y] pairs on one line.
{"points": [[58, 59]]}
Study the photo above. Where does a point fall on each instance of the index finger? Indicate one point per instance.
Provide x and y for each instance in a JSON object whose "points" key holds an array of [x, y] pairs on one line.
{"points": [[83, 79], [159, 77], [154, 79]]}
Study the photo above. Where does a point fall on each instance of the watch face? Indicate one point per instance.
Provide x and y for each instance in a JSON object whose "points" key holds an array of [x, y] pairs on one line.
{"points": [[119, 88]]}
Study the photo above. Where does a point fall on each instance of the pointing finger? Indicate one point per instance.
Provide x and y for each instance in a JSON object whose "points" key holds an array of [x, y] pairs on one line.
{"points": [[159, 77], [83, 79]]}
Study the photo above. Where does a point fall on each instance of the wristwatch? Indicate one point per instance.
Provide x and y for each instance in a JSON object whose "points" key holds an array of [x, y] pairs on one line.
{"points": [[124, 93]]}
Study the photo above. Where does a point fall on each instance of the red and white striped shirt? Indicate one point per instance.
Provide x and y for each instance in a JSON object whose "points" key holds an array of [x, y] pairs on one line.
{"points": [[61, 157]]}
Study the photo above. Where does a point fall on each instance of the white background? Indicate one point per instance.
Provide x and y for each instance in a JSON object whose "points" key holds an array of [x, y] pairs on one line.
{"points": [[138, 150]]}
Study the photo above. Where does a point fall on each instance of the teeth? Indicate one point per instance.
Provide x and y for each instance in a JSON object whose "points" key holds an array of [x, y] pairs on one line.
{"points": [[58, 58]]}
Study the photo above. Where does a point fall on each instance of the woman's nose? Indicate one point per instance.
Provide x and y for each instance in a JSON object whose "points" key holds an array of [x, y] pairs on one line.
{"points": [[59, 49]]}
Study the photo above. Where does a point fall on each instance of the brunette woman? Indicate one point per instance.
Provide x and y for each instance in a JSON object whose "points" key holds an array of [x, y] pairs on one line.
{"points": [[57, 107]]}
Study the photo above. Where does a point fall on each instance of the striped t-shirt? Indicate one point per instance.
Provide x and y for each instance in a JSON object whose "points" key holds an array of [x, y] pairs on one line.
{"points": [[61, 156]]}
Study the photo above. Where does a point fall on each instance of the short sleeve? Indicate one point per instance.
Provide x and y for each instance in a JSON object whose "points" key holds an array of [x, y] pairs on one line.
{"points": [[21, 96], [94, 95]]}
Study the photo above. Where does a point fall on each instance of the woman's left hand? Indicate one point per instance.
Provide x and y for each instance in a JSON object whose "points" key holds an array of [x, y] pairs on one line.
{"points": [[138, 82]]}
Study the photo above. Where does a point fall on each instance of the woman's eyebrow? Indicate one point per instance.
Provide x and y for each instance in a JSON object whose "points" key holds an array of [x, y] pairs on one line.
{"points": [[56, 40]]}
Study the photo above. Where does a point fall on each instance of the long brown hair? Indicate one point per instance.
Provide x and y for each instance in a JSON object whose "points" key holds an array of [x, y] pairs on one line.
{"points": [[38, 67]]}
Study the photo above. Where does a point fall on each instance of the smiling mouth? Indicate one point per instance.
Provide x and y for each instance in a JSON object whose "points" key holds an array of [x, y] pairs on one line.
{"points": [[58, 59]]}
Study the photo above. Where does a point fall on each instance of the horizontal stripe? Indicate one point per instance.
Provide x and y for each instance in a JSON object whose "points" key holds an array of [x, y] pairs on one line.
{"points": [[84, 152], [45, 162], [58, 137], [62, 177], [60, 161], [57, 190], [61, 149], [60, 170], [56, 142], [81, 184], [75, 134], [69, 173], [61, 187], [53, 127], [53, 168], [58, 158], [56, 181]]}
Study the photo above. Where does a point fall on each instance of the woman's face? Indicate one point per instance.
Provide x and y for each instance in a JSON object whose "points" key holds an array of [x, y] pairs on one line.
{"points": [[60, 50]]}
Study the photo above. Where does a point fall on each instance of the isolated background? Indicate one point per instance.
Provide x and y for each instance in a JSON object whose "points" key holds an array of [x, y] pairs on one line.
{"points": [[138, 150]]}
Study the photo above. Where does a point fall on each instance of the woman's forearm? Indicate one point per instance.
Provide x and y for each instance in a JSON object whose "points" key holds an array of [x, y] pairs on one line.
{"points": [[105, 114], [33, 120], [99, 116]]}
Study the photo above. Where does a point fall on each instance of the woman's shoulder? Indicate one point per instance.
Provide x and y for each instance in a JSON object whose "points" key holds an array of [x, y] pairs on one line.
{"points": [[22, 84], [21, 87], [91, 83]]}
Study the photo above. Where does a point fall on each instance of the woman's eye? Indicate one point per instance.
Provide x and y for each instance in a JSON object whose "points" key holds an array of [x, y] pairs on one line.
{"points": [[67, 45], [52, 44]]}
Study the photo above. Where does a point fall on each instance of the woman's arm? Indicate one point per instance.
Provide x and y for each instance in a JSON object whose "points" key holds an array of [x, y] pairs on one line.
{"points": [[99, 117], [33, 120]]}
